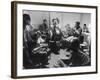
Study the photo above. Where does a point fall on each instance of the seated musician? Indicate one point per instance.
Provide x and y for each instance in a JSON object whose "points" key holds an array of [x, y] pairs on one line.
{"points": [[69, 55]]}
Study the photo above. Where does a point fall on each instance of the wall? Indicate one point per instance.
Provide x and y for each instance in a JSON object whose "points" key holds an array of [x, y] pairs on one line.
{"points": [[86, 19], [5, 41], [64, 18], [70, 18]]}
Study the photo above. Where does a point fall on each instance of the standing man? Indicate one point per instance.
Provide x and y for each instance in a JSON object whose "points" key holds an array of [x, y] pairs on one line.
{"points": [[55, 36], [78, 32], [43, 26], [78, 29], [27, 39]]}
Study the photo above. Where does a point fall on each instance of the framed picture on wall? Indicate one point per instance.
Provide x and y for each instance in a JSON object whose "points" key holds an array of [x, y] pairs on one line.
{"points": [[49, 39]]}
